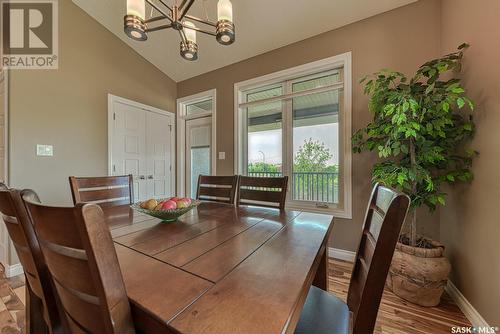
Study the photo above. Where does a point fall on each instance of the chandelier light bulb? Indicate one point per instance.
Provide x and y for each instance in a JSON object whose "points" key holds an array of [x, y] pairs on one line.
{"points": [[225, 10], [136, 8], [190, 33], [134, 26], [225, 27], [189, 48]]}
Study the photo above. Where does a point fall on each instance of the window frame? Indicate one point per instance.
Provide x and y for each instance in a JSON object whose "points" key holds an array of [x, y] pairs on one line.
{"points": [[344, 208], [181, 118]]}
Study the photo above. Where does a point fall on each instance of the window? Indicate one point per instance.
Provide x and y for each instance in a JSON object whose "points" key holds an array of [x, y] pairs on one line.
{"points": [[199, 108], [294, 123]]}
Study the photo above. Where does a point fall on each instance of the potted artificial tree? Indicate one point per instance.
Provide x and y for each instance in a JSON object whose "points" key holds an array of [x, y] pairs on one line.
{"points": [[419, 127]]}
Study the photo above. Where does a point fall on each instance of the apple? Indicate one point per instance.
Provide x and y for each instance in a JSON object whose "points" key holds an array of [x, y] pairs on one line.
{"points": [[150, 204], [183, 203], [187, 200], [175, 199], [160, 205], [169, 205]]}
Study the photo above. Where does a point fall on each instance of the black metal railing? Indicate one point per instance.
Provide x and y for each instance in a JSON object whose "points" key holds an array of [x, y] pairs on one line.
{"points": [[310, 186]]}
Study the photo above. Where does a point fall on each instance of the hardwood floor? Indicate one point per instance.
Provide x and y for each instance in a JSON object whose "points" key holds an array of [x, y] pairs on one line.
{"points": [[12, 300], [395, 315]]}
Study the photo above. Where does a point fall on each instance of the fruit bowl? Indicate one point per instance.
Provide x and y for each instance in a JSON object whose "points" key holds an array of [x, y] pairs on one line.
{"points": [[164, 210]]}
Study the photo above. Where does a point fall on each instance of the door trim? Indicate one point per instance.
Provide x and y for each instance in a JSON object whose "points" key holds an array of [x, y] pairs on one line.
{"points": [[181, 135], [111, 100]]}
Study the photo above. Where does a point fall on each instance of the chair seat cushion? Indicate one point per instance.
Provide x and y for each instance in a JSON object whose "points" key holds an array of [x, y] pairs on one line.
{"points": [[323, 313]]}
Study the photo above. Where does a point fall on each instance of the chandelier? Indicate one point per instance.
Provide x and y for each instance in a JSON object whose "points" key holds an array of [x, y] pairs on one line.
{"points": [[176, 16]]}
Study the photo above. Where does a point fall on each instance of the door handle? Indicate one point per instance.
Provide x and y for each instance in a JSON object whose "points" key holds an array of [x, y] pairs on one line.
{"points": [[142, 177], [150, 177]]}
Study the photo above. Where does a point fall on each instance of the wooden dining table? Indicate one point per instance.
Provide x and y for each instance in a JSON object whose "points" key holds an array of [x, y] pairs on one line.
{"points": [[220, 268]]}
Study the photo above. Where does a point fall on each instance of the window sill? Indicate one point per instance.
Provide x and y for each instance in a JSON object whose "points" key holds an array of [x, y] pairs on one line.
{"points": [[335, 212]]}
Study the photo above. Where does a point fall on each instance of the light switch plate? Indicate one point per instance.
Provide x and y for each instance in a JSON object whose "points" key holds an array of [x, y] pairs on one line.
{"points": [[44, 150], [222, 155]]}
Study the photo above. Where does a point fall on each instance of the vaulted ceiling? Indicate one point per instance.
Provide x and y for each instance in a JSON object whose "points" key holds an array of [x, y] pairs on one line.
{"points": [[261, 26]]}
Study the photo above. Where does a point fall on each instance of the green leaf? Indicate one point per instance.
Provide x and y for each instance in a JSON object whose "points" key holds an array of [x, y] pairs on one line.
{"points": [[406, 106], [429, 88], [450, 177], [413, 105], [460, 102], [389, 109], [401, 178]]}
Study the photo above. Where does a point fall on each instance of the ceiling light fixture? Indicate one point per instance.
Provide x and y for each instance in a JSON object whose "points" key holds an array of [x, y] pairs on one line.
{"points": [[137, 26]]}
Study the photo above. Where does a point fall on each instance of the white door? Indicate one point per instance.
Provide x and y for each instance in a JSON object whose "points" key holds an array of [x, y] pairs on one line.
{"points": [[159, 162], [198, 152], [129, 145], [141, 145]]}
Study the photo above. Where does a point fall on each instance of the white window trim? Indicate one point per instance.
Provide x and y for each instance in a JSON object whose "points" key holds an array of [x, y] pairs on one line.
{"points": [[343, 60], [181, 134]]}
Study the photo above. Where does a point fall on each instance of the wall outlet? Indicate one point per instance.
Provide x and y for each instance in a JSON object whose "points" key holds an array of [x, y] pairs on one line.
{"points": [[44, 150], [222, 155]]}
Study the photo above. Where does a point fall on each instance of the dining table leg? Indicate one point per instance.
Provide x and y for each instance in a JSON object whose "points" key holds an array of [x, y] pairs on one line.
{"points": [[35, 324], [321, 277]]}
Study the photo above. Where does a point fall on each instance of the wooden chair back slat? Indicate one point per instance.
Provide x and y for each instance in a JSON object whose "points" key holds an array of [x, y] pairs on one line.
{"points": [[84, 267], [262, 191], [22, 234], [215, 192], [102, 181], [103, 190], [385, 215], [82, 309], [259, 195], [217, 188], [60, 260], [103, 194]]}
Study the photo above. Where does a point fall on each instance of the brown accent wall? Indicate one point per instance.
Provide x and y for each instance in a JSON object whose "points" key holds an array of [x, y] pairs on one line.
{"points": [[401, 39], [470, 222], [68, 107]]}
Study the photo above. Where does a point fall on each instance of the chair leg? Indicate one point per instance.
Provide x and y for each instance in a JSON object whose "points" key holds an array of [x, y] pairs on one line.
{"points": [[35, 323], [321, 277]]}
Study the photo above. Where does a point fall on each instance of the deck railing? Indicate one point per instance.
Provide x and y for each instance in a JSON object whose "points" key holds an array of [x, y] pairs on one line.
{"points": [[310, 186]]}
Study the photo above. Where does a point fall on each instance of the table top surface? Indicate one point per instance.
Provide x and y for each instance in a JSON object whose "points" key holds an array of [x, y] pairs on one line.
{"points": [[220, 268]]}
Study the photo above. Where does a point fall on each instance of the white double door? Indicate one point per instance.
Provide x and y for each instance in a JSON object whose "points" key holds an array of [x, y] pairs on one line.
{"points": [[142, 146]]}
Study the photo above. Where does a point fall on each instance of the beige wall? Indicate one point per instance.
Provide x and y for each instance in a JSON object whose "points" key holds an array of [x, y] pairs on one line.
{"points": [[398, 39], [470, 222], [67, 107]]}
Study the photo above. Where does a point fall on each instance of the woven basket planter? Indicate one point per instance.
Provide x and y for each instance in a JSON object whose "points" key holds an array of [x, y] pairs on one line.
{"points": [[419, 275]]}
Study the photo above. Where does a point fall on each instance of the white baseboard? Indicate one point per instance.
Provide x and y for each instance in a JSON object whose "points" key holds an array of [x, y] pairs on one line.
{"points": [[341, 254], [469, 311], [14, 270]]}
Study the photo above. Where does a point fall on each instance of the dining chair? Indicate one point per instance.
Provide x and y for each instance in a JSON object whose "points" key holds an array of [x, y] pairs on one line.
{"points": [[40, 294], [323, 312], [217, 188], [102, 190], [262, 191], [79, 252]]}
